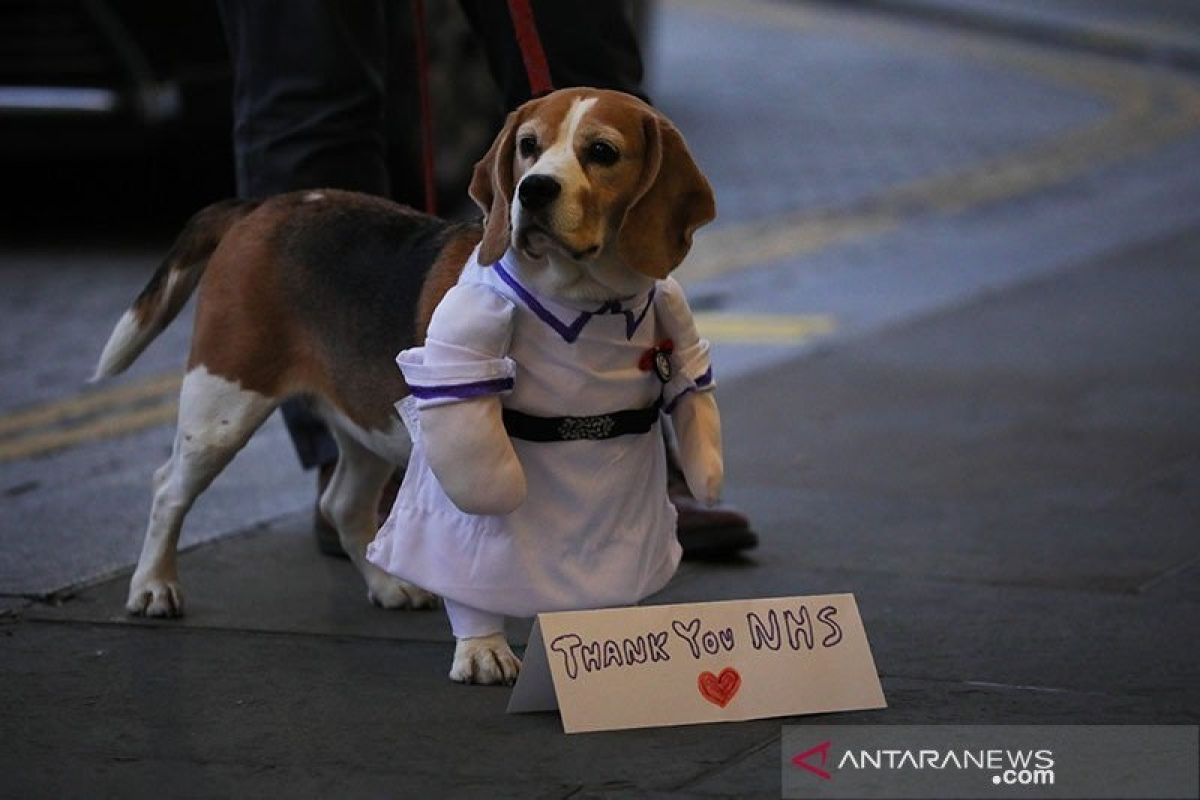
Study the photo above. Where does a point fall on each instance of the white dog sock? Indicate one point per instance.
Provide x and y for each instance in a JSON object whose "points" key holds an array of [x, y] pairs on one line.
{"points": [[469, 623]]}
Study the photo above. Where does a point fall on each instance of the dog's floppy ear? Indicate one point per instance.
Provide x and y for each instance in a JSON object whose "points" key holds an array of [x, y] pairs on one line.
{"points": [[672, 200], [492, 188]]}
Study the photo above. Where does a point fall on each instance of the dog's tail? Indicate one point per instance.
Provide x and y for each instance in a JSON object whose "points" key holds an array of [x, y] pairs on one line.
{"points": [[171, 285]]}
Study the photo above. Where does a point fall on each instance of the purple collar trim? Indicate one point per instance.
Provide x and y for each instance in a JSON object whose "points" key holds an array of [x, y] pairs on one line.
{"points": [[571, 332]]}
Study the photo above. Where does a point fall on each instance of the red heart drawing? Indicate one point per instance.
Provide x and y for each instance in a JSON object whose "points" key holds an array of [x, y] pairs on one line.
{"points": [[720, 689]]}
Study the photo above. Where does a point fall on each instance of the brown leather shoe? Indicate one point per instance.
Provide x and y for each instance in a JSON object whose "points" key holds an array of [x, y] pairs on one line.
{"points": [[709, 533], [328, 540]]}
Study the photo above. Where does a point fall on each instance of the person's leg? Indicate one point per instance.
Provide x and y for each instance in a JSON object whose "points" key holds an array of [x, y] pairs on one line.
{"points": [[309, 94], [587, 43], [309, 97]]}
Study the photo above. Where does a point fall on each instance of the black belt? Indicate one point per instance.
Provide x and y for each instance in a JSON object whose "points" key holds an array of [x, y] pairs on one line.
{"points": [[565, 429]]}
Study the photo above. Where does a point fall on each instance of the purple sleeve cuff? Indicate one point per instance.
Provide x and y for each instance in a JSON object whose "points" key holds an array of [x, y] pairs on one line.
{"points": [[455, 374], [461, 391]]}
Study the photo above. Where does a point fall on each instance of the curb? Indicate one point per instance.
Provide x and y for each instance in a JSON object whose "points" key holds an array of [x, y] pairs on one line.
{"points": [[1087, 38]]}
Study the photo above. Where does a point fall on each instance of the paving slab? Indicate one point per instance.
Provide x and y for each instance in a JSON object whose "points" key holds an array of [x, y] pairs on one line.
{"points": [[268, 579]]}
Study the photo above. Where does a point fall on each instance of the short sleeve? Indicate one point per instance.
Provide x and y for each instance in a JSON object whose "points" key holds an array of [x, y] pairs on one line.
{"points": [[465, 354], [691, 369]]}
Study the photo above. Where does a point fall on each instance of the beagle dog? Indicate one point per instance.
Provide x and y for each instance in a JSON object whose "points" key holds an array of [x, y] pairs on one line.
{"points": [[313, 294]]}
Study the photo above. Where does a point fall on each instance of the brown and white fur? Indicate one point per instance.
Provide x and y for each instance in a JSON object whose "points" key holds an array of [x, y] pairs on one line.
{"points": [[313, 293]]}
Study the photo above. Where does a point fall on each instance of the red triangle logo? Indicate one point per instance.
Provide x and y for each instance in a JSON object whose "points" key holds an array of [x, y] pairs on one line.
{"points": [[801, 760]]}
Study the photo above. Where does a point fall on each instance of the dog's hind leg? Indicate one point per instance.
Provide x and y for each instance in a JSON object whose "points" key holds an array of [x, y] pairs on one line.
{"points": [[351, 501], [216, 418]]}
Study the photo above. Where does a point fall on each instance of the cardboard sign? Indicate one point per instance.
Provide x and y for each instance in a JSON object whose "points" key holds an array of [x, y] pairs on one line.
{"points": [[698, 662]]}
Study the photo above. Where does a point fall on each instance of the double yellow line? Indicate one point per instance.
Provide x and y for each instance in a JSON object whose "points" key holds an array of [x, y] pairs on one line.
{"points": [[91, 416]]}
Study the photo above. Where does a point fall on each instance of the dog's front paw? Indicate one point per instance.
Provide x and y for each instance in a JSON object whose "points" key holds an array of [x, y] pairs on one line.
{"points": [[485, 660], [388, 591], [154, 596]]}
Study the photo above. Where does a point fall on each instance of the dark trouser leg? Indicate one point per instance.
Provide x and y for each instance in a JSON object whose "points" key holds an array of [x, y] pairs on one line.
{"points": [[309, 99], [587, 43]]}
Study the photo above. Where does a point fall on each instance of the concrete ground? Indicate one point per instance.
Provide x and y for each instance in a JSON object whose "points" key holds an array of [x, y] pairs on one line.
{"points": [[953, 295]]}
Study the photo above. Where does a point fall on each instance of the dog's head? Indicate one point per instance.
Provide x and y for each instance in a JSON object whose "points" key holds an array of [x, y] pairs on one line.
{"points": [[594, 187]]}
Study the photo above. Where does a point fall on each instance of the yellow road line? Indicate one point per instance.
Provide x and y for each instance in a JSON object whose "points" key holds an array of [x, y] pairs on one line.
{"points": [[763, 328], [95, 430], [80, 405], [737, 247]]}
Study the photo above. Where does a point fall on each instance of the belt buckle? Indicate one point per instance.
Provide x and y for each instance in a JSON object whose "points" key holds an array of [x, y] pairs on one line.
{"points": [[599, 427]]}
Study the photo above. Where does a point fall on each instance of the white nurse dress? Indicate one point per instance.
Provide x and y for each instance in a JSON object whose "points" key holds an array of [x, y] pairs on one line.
{"points": [[596, 528]]}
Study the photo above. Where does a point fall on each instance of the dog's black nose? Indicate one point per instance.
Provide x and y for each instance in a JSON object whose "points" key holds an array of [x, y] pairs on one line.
{"points": [[536, 191]]}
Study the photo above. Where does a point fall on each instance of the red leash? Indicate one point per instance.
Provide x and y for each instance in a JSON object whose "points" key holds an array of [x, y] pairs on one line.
{"points": [[531, 47], [536, 68], [427, 154]]}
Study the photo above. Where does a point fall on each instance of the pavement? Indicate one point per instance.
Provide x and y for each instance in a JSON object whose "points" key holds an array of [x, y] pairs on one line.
{"points": [[952, 291]]}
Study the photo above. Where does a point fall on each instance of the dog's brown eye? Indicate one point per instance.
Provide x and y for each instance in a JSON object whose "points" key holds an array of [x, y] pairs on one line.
{"points": [[602, 153], [528, 146]]}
